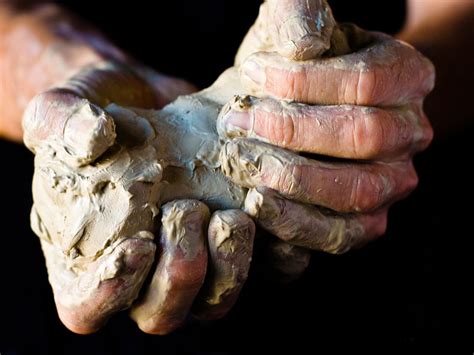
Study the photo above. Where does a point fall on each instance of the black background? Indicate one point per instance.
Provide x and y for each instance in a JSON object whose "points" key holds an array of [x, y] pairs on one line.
{"points": [[409, 292]]}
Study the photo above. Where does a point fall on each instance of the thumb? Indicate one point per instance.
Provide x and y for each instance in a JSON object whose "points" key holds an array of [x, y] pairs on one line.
{"points": [[71, 118], [300, 29], [78, 130], [296, 29]]}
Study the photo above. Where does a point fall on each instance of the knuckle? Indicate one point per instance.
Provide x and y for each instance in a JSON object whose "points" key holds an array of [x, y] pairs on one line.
{"points": [[284, 132], [292, 89], [378, 227], [412, 180], [290, 181], [369, 135], [427, 134], [339, 244], [430, 76], [294, 84], [366, 85], [381, 227], [368, 191]]}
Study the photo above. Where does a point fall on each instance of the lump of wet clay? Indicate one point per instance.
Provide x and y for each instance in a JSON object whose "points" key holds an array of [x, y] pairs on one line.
{"points": [[103, 180]]}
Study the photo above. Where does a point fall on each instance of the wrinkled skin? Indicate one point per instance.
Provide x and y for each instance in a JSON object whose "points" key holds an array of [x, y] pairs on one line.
{"points": [[330, 206]]}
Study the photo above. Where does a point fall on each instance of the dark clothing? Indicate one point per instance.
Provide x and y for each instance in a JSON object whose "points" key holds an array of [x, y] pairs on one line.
{"points": [[407, 292]]}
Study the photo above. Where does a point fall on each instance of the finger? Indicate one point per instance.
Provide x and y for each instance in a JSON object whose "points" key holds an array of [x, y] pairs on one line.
{"points": [[295, 29], [85, 300], [340, 186], [286, 260], [71, 119], [344, 131], [180, 271], [76, 129], [309, 227], [385, 72], [300, 29], [231, 234]]}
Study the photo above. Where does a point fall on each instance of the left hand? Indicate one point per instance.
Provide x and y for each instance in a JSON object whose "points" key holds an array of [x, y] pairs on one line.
{"points": [[96, 219], [359, 110]]}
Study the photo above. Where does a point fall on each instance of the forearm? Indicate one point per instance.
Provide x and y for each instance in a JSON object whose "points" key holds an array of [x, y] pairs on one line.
{"points": [[443, 30], [42, 46]]}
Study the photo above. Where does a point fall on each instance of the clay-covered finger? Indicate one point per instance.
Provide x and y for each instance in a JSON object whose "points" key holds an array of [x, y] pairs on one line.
{"points": [[384, 72], [340, 186], [70, 118], [344, 131], [180, 271], [230, 235], [287, 261], [295, 29], [85, 299], [78, 130], [310, 227], [300, 29]]}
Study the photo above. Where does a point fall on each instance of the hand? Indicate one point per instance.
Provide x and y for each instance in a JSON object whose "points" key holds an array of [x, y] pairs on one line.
{"points": [[100, 176], [357, 117]]}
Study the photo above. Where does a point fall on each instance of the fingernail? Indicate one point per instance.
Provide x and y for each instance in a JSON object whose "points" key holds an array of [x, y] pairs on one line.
{"points": [[253, 71], [235, 119], [237, 124]]}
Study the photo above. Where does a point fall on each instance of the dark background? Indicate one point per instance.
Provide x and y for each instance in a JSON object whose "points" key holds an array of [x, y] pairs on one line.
{"points": [[409, 292]]}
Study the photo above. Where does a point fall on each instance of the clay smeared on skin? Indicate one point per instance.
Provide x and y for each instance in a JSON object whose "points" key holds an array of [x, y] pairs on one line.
{"points": [[158, 156], [315, 229], [230, 237], [180, 271], [297, 31]]}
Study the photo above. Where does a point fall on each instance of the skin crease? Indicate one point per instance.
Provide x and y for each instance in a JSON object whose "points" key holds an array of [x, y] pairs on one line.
{"points": [[256, 92]]}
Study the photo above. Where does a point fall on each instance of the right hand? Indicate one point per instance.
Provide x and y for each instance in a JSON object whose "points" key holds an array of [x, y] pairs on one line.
{"points": [[327, 141]]}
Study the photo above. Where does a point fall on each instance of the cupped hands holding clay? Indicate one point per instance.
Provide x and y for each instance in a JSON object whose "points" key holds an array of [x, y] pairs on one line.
{"points": [[104, 169]]}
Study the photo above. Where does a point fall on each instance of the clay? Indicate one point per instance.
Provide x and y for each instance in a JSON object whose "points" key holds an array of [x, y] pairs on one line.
{"points": [[180, 271], [230, 236], [157, 157], [102, 177], [297, 30], [317, 229]]}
